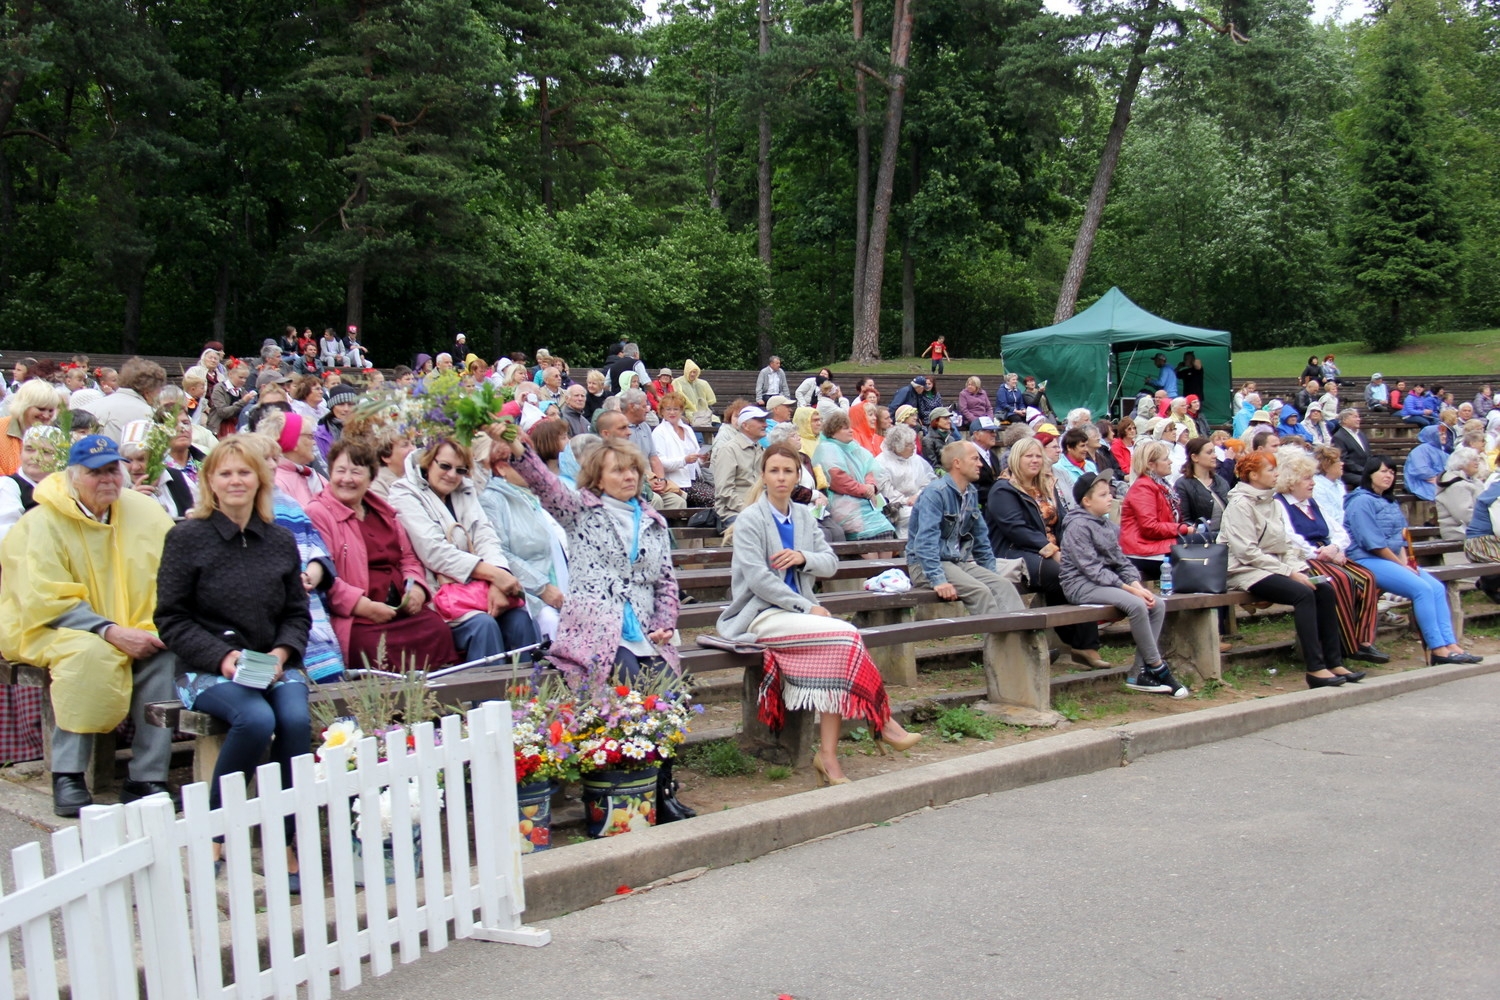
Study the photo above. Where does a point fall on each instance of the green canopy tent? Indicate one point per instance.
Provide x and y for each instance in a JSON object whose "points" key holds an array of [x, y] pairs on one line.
{"points": [[1104, 353]]}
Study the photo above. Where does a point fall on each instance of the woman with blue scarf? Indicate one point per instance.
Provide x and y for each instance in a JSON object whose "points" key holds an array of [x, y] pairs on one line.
{"points": [[853, 498], [620, 617]]}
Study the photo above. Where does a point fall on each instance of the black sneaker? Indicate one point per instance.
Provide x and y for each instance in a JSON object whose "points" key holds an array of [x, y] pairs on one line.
{"points": [[1164, 674], [1145, 681], [1158, 680]]}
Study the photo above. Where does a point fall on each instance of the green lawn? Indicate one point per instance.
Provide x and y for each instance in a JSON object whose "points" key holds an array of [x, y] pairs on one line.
{"points": [[1472, 353]]}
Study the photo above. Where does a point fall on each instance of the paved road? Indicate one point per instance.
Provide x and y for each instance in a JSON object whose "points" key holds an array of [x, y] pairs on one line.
{"points": [[1353, 855]]}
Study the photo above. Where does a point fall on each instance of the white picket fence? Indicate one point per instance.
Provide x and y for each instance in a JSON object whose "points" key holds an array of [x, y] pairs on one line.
{"points": [[142, 858]]}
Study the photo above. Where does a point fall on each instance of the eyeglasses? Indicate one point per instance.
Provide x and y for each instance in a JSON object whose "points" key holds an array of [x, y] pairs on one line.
{"points": [[462, 470]]}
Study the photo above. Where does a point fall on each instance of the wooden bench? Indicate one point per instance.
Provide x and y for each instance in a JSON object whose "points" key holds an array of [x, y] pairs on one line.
{"points": [[717, 578], [1017, 662], [1453, 577], [723, 555], [460, 689], [101, 769]]}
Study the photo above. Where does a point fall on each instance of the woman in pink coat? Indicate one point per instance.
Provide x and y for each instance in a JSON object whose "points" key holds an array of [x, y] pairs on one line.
{"points": [[379, 597]]}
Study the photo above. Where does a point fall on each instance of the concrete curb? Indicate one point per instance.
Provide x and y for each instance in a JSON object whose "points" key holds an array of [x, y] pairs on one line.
{"points": [[561, 881], [1228, 721]]}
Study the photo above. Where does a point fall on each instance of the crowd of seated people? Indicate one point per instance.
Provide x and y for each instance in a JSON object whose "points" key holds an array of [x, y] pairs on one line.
{"points": [[386, 545]]}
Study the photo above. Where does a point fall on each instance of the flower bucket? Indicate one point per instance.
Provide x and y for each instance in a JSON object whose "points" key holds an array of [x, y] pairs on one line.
{"points": [[535, 803], [390, 857], [617, 802]]}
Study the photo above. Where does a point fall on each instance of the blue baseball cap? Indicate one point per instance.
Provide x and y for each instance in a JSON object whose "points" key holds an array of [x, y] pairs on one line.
{"points": [[94, 451]]}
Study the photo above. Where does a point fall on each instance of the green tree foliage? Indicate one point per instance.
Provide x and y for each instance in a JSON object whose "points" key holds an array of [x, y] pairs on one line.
{"points": [[1402, 253], [567, 173]]}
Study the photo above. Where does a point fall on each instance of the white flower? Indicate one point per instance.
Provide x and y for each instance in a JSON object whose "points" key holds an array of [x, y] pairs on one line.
{"points": [[345, 734], [414, 793]]}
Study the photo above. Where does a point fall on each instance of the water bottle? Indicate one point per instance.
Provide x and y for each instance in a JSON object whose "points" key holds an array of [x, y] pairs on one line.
{"points": [[1166, 576]]}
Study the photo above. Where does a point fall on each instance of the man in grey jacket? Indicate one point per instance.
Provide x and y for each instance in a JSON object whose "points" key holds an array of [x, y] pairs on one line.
{"points": [[947, 545], [771, 382]]}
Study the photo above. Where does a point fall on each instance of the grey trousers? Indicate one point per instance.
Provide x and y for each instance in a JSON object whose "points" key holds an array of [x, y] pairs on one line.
{"points": [[984, 592], [151, 749], [1145, 623]]}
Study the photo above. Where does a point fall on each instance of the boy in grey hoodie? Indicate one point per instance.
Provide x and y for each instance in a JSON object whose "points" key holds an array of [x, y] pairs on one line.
{"points": [[1095, 571]]}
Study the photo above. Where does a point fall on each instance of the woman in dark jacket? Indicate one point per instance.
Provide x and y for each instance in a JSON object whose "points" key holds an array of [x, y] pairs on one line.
{"points": [[230, 582], [1024, 515], [1201, 490]]}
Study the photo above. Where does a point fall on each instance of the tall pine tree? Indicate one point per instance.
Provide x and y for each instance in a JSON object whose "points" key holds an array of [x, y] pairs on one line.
{"points": [[1401, 252]]}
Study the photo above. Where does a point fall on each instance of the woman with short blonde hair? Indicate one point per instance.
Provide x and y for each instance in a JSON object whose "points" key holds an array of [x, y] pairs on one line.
{"points": [[230, 589]]}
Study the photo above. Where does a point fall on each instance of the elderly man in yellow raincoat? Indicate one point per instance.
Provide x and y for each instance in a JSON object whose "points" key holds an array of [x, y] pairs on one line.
{"points": [[77, 592]]}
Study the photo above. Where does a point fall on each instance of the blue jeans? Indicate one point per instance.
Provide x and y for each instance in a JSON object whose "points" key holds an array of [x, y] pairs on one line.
{"points": [[479, 636], [254, 717], [1429, 599], [1419, 419]]}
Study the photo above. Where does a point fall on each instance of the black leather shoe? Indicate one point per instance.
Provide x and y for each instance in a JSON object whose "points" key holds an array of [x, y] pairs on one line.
{"points": [[669, 809], [1457, 658], [1314, 681], [70, 793], [133, 790], [1352, 677], [1370, 655]]}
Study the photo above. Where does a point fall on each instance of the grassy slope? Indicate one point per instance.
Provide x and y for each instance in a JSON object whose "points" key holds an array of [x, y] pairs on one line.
{"points": [[1472, 353]]}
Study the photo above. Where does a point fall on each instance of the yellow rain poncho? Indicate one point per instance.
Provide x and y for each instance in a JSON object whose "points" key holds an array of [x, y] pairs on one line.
{"points": [[699, 395], [57, 557]]}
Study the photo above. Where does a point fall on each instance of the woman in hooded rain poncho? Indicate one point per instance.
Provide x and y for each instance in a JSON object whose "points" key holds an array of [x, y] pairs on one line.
{"points": [[699, 395], [1425, 464], [852, 492]]}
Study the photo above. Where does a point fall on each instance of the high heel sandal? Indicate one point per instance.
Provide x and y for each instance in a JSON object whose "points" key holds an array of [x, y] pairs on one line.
{"points": [[905, 743], [824, 778]]}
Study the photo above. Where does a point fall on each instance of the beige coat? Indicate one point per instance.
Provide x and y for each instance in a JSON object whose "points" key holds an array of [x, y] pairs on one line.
{"points": [[1257, 535]]}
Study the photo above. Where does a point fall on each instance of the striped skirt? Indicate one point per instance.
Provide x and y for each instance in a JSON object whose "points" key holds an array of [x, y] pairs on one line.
{"points": [[1357, 597], [1482, 548], [818, 664]]}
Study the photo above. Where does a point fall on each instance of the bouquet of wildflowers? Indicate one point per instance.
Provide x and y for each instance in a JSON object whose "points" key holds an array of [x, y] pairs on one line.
{"points": [[543, 731], [625, 725]]}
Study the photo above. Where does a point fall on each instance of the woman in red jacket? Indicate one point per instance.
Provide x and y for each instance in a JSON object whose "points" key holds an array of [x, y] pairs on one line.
{"points": [[1123, 443], [1149, 524]]}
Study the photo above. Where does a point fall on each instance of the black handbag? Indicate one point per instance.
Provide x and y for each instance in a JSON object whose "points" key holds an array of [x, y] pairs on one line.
{"points": [[1200, 569]]}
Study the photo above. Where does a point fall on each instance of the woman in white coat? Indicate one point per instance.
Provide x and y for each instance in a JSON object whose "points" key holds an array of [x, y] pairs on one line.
{"points": [[467, 572]]}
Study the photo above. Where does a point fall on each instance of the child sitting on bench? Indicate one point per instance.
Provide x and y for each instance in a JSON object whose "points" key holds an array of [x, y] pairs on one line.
{"points": [[1095, 571]]}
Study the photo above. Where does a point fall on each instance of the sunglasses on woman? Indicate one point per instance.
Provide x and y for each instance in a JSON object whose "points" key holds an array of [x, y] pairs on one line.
{"points": [[462, 470]]}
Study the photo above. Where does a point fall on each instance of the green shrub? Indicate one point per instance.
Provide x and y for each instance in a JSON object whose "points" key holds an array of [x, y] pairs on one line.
{"points": [[718, 759], [957, 723]]}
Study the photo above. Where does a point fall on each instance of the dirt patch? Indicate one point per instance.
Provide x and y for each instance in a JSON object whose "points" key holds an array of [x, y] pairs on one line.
{"points": [[1095, 708]]}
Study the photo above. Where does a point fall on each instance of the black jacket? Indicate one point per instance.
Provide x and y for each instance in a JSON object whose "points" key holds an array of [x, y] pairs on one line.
{"points": [[215, 578], [1355, 452], [1017, 530], [1198, 504]]}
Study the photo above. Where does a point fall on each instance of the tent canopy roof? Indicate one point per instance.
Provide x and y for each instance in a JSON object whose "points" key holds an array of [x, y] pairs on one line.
{"points": [[1115, 319]]}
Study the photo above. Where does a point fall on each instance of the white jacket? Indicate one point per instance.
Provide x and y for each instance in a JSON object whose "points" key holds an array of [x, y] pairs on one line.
{"points": [[673, 451], [449, 547]]}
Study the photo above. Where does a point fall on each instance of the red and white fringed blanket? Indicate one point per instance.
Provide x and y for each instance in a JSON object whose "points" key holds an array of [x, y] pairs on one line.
{"points": [[818, 664]]}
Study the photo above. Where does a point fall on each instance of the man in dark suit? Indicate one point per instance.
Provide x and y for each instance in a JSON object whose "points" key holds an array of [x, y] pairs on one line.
{"points": [[1353, 446], [985, 432]]}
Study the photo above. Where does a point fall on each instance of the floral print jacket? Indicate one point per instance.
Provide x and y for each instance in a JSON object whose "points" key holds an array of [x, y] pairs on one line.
{"points": [[603, 578]]}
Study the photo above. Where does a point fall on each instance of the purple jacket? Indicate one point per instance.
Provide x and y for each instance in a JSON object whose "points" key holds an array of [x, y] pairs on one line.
{"points": [[972, 405]]}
